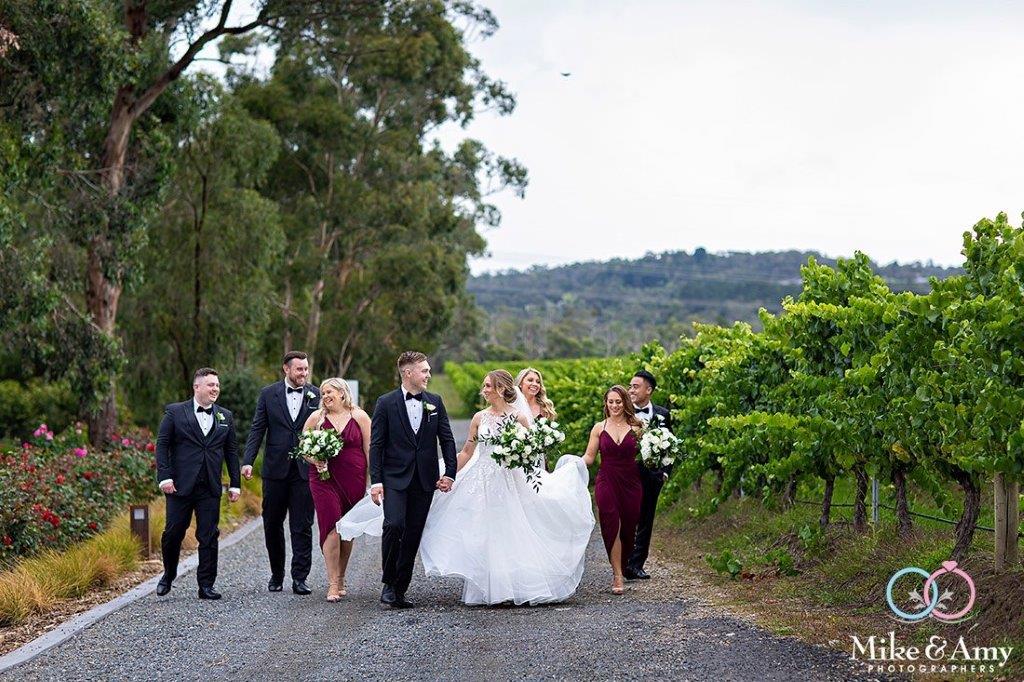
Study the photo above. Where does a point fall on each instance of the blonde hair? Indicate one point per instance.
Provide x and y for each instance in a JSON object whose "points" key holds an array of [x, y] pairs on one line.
{"points": [[547, 408], [341, 386], [502, 382]]}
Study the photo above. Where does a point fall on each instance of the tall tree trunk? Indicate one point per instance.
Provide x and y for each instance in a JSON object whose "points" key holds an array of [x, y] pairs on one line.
{"points": [[904, 523], [972, 507], [286, 314], [860, 510], [315, 313], [826, 501], [103, 288]]}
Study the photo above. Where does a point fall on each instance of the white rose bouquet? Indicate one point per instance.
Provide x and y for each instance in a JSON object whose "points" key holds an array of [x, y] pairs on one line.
{"points": [[545, 438], [659, 447], [515, 448], [318, 445]]}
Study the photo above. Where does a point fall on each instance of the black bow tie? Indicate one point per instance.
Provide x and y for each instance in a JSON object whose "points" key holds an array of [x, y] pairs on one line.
{"points": [[414, 396], [294, 390], [643, 410], [207, 410]]}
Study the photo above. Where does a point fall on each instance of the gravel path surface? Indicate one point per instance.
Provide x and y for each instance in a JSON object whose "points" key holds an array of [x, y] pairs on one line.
{"points": [[652, 632]]}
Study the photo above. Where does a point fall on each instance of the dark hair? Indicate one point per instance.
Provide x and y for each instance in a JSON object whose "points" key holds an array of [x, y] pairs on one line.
{"points": [[293, 355], [627, 405], [648, 377], [410, 357], [203, 372]]}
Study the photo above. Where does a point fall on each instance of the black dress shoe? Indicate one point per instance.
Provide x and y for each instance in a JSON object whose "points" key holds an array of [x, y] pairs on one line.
{"points": [[164, 586], [387, 595], [629, 574], [641, 574], [300, 587], [275, 585], [402, 603], [208, 593]]}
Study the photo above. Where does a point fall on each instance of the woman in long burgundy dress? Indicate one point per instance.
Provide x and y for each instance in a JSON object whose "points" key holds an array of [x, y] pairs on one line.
{"points": [[618, 490], [347, 482]]}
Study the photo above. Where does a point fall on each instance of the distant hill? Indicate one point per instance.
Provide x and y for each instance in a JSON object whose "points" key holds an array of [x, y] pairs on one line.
{"points": [[611, 307]]}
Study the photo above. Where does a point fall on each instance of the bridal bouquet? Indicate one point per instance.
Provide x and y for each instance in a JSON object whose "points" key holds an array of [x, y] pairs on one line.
{"points": [[659, 447], [318, 445], [545, 437], [515, 448]]}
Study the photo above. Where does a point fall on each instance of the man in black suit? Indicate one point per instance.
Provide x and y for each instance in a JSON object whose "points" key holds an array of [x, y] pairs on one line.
{"points": [[641, 386], [281, 410], [196, 438], [408, 424]]}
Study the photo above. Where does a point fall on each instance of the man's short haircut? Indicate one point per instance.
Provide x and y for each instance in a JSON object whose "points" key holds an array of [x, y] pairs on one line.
{"points": [[410, 357], [648, 377], [203, 372], [293, 355]]}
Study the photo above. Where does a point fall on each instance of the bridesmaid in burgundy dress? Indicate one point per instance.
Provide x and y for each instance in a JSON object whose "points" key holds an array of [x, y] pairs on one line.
{"points": [[618, 489], [347, 483]]}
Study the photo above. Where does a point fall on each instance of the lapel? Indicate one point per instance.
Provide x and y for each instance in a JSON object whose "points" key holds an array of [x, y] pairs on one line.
{"points": [[403, 415], [282, 400], [425, 421], [215, 428], [191, 422], [304, 408]]}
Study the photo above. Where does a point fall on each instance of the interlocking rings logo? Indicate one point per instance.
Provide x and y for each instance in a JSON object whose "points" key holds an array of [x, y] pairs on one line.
{"points": [[931, 601]]}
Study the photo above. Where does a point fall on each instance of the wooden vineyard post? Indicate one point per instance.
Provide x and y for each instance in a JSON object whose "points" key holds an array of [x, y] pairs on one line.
{"points": [[1007, 512]]}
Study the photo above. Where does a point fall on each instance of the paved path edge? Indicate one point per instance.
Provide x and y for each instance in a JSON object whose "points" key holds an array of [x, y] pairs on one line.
{"points": [[69, 629]]}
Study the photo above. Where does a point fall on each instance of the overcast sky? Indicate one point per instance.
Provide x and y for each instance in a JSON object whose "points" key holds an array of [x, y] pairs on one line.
{"points": [[889, 127]]}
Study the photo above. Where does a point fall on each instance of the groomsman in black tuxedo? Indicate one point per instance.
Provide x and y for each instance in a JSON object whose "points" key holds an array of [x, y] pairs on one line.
{"points": [[196, 438], [408, 426], [281, 410], [641, 387]]}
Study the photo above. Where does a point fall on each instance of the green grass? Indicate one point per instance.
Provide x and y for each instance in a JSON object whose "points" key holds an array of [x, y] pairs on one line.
{"points": [[442, 385], [840, 575]]}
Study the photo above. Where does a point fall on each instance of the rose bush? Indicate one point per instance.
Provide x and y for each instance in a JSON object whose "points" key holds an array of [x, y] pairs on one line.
{"points": [[55, 489]]}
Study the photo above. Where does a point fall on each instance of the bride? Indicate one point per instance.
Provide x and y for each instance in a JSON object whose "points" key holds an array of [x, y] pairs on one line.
{"points": [[506, 541]]}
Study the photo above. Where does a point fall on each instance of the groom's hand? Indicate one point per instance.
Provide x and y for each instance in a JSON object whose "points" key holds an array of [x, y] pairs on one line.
{"points": [[444, 484], [247, 471], [167, 487], [377, 494]]}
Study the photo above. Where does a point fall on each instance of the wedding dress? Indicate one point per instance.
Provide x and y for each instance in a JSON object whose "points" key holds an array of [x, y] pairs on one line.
{"points": [[508, 542]]}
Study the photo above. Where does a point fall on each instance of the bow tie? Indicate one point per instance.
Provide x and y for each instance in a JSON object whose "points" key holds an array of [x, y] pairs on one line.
{"points": [[414, 396], [294, 390], [643, 410], [207, 410]]}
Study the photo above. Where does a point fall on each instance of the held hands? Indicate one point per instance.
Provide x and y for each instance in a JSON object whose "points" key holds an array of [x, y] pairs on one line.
{"points": [[377, 494], [444, 484], [247, 471]]}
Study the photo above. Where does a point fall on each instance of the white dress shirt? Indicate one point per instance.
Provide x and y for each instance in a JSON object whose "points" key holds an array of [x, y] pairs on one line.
{"points": [[415, 411], [205, 419], [294, 400], [645, 417]]}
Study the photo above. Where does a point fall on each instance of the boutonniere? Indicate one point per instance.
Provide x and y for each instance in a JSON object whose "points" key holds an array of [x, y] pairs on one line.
{"points": [[428, 407], [310, 395], [220, 416]]}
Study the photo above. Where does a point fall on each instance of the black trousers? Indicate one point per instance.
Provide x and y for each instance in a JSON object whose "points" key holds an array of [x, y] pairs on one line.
{"points": [[405, 514], [652, 483], [206, 506], [288, 497]]}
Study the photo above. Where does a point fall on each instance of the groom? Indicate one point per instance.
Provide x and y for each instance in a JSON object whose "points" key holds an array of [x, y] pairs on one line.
{"points": [[408, 424]]}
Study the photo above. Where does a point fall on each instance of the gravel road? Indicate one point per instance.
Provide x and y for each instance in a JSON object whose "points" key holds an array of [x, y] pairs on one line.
{"points": [[652, 632]]}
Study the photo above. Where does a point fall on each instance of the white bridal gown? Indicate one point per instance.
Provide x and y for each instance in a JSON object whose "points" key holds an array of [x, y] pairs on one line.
{"points": [[507, 542]]}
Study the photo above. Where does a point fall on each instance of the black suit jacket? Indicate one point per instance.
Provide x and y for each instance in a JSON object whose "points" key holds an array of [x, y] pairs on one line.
{"points": [[181, 449], [273, 421], [396, 451], [664, 418]]}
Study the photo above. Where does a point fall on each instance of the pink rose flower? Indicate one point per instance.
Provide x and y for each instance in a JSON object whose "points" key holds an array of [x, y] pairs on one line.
{"points": [[80, 452]]}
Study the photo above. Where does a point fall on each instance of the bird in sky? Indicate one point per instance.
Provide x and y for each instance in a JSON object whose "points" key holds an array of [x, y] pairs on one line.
{"points": [[566, 74]]}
